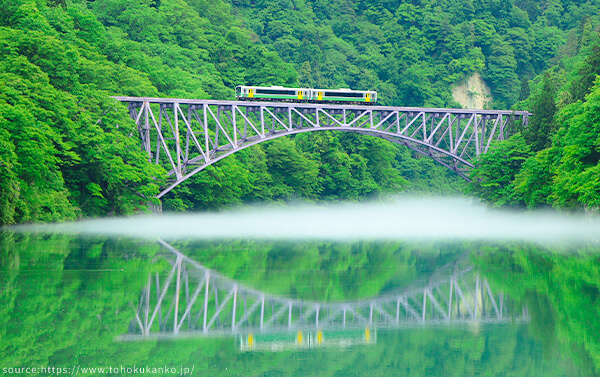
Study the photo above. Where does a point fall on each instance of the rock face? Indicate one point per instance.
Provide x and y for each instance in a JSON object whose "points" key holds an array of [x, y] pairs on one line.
{"points": [[472, 92]]}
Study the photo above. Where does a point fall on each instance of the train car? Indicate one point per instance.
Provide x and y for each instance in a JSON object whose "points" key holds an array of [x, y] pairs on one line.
{"points": [[279, 93], [344, 96], [271, 93]]}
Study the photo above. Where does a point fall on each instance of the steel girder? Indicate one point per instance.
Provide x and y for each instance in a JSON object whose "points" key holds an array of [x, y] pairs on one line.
{"points": [[186, 136], [191, 300]]}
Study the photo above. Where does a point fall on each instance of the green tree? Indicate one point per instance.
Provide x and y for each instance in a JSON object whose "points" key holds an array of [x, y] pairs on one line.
{"points": [[586, 75], [294, 174], [542, 124], [495, 171], [9, 183], [576, 179], [222, 184], [534, 181]]}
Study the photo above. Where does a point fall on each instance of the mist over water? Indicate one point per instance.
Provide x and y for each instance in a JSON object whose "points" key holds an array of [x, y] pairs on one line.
{"points": [[401, 219]]}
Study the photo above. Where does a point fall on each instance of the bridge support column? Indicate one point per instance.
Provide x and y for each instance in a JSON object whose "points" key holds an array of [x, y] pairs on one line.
{"points": [[155, 208]]}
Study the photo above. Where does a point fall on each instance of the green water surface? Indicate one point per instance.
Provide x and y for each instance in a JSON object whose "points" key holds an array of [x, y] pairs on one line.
{"points": [[66, 302]]}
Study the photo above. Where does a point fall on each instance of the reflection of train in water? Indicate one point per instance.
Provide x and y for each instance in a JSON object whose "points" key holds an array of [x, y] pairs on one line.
{"points": [[307, 339], [279, 93]]}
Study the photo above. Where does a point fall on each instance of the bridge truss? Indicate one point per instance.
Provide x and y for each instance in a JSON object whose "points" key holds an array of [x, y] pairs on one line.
{"points": [[186, 136], [192, 300]]}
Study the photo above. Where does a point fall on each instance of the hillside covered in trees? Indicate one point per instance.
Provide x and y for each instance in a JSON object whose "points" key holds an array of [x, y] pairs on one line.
{"points": [[555, 162], [67, 150]]}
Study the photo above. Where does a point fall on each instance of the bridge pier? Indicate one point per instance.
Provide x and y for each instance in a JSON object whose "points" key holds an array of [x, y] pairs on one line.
{"points": [[155, 208]]}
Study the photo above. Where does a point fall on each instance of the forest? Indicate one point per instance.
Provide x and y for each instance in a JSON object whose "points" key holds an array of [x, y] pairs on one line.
{"points": [[68, 151], [553, 163]]}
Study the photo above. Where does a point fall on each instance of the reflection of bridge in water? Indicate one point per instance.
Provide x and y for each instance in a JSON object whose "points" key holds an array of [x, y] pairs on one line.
{"points": [[192, 300]]}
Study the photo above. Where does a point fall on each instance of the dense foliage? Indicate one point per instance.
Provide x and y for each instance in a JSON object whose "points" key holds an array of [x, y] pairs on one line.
{"points": [[68, 151], [541, 53], [556, 160], [65, 146], [412, 52]]}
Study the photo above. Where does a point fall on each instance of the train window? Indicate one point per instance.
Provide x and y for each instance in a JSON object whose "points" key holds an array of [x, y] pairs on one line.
{"points": [[276, 91], [344, 94]]}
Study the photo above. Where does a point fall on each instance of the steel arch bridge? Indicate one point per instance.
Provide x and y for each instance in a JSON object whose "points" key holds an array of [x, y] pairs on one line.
{"points": [[190, 300], [189, 135]]}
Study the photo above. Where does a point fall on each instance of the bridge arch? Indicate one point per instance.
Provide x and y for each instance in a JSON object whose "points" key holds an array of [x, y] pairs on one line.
{"points": [[189, 135]]}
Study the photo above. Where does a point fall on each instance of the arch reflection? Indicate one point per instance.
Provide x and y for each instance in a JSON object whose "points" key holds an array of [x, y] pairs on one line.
{"points": [[190, 300]]}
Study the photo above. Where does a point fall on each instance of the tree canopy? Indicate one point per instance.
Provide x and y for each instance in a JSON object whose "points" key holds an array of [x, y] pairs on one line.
{"points": [[68, 151]]}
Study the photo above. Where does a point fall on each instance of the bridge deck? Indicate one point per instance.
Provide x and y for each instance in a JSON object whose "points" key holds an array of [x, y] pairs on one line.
{"points": [[310, 105]]}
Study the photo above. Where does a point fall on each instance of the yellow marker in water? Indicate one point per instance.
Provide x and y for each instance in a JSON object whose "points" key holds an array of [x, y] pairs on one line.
{"points": [[319, 337], [250, 340], [367, 334], [299, 338]]}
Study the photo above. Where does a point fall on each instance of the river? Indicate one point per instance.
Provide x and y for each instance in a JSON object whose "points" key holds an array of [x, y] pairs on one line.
{"points": [[139, 296]]}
